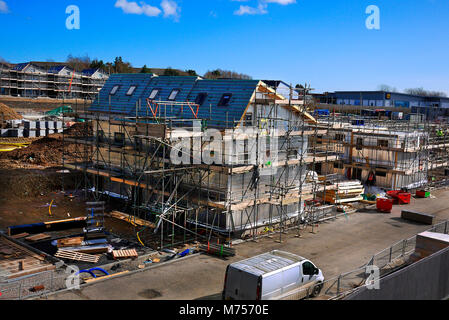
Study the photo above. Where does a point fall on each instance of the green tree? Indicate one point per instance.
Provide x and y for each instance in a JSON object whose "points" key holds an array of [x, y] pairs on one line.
{"points": [[191, 73], [98, 64], [145, 69], [171, 72]]}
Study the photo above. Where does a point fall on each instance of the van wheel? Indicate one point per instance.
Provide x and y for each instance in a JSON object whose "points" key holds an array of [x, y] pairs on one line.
{"points": [[317, 290]]}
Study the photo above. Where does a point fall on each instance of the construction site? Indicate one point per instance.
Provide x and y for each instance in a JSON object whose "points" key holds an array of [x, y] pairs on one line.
{"points": [[158, 168]]}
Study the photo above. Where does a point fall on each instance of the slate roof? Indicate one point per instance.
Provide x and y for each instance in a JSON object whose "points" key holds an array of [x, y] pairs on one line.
{"points": [[189, 88]]}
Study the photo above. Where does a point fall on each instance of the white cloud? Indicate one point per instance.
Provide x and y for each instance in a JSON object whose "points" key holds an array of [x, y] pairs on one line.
{"points": [[133, 8], [261, 9], [281, 2], [150, 10], [170, 8], [3, 7]]}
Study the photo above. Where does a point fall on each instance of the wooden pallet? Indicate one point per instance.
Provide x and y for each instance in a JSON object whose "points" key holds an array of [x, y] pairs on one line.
{"points": [[124, 254], [64, 254], [70, 242]]}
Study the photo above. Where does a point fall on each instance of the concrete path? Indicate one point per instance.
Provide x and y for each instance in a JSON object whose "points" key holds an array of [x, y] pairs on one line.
{"points": [[337, 247]]}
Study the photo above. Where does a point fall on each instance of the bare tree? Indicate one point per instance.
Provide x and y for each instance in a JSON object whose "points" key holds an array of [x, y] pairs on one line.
{"points": [[78, 63], [387, 88], [425, 93]]}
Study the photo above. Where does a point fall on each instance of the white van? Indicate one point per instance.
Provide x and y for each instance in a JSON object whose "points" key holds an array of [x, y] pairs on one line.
{"points": [[271, 276]]}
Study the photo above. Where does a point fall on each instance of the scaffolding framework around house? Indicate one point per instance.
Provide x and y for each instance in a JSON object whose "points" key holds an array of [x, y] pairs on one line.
{"points": [[247, 195], [399, 153], [47, 84]]}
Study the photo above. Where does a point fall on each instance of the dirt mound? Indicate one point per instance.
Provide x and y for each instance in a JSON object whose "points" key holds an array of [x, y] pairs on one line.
{"points": [[6, 113], [44, 152]]}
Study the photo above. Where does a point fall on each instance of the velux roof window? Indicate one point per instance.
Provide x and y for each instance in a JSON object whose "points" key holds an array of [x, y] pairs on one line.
{"points": [[131, 90], [200, 98], [114, 90], [153, 94], [173, 95], [225, 100]]}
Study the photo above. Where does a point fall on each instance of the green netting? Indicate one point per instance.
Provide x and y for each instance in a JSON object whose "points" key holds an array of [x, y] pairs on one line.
{"points": [[60, 111]]}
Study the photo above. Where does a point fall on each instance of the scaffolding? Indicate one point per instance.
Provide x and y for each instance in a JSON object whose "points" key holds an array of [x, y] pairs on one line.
{"points": [[42, 83], [251, 194], [391, 154]]}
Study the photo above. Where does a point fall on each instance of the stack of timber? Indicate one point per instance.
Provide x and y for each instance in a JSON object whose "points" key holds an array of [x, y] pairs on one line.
{"points": [[217, 250], [70, 242], [428, 243], [343, 192]]}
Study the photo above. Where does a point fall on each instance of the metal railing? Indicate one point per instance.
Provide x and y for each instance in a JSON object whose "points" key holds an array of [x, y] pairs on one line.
{"points": [[35, 285]]}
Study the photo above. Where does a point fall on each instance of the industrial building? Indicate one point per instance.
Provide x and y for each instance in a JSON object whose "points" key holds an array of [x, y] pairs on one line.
{"points": [[383, 99], [49, 80]]}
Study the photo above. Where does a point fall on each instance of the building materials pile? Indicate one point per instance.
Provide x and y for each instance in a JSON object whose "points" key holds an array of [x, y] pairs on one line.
{"points": [[217, 250], [428, 243], [343, 192], [18, 261]]}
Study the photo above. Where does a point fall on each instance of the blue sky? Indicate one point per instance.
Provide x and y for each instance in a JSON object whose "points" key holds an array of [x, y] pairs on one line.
{"points": [[322, 42]]}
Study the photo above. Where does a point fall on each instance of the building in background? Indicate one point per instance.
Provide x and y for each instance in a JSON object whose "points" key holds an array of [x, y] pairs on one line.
{"points": [[356, 101], [50, 80], [383, 99]]}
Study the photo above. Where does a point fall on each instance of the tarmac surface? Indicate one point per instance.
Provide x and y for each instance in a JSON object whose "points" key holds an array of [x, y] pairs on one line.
{"points": [[336, 247]]}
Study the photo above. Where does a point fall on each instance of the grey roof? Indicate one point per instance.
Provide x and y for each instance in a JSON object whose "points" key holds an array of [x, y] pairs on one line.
{"points": [[189, 89]]}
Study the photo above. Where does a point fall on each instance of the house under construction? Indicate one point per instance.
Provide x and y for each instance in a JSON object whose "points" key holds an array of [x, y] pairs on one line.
{"points": [[199, 157], [389, 154], [34, 79]]}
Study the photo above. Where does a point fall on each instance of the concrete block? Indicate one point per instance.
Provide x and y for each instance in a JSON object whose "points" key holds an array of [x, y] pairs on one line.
{"points": [[29, 133], [30, 124], [419, 217], [4, 133], [58, 124], [40, 124], [16, 133], [49, 131], [40, 133]]}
